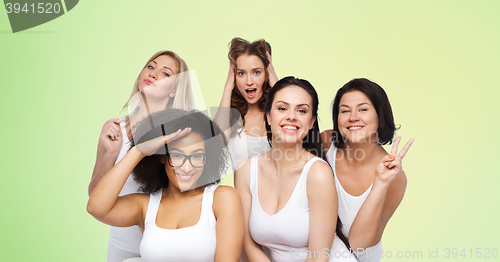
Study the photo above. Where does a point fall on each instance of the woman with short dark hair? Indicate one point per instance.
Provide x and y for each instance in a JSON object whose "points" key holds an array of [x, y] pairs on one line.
{"points": [[370, 182]]}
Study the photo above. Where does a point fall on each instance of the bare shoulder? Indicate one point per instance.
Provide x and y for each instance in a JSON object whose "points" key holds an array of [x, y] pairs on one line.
{"points": [[319, 173], [226, 199], [326, 138], [225, 192]]}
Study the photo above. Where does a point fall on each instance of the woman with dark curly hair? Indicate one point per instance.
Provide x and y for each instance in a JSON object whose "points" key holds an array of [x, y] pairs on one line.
{"points": [[162, 83], [186, 216], [251, 75], [370, 182]]}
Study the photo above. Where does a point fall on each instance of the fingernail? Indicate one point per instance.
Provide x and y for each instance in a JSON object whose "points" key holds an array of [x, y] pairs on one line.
{"points": [[391, 157]]}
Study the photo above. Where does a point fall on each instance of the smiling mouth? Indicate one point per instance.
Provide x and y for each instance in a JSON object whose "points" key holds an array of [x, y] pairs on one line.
{"points": [[184, 177], [353, 128], [251, 92], [289, 128]]}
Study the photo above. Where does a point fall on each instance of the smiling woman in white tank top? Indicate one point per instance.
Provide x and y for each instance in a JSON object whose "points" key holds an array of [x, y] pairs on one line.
{"points": [[114, 141], [185, 216], [370, 182], [288, 194]]}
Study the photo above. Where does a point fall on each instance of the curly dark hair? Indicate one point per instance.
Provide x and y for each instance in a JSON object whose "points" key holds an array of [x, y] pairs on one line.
{"points": [[237, 48], [150, 171]]}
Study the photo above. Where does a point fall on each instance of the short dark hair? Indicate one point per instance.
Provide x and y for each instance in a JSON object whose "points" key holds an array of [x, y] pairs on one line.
{"points": [[380, 101], [150, 171], [312, 141]]}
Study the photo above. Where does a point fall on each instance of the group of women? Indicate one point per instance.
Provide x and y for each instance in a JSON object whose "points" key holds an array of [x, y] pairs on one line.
{"points": [[300, 194]]}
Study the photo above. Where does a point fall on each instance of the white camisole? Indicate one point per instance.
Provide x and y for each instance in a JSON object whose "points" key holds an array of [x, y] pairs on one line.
{"points": [[190, 244], [126, 238], [285, 233], [242, 146], [348, 209]]}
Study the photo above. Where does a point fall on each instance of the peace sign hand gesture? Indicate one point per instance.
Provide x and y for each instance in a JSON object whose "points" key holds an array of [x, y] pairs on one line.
{"points": [[390, 165], [151, 146]]}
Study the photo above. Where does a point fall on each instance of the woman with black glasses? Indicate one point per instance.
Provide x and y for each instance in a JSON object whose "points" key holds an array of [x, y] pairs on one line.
{"points": [[186, 216]]}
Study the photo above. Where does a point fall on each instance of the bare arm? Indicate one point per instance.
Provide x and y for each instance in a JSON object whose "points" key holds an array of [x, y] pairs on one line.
{"points": [[273, 78], [105, 204], [323, 207], [108, 149], [387, 193], [222, 117], [230, 226], [253, 251]]}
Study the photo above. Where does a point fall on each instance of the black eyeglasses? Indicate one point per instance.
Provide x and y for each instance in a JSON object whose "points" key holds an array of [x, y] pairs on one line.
{"points": [[177, 159]]}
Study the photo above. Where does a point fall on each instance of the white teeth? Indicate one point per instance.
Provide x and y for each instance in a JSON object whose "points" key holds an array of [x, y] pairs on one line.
{"points": [[183, 176], [354, 127], [289, 127]]}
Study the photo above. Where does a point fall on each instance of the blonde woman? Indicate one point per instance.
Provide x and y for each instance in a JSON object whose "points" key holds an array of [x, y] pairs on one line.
{"points": [[162, 83]]}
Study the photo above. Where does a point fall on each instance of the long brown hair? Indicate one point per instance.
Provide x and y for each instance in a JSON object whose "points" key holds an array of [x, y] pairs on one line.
{"points": [[237, 48]]}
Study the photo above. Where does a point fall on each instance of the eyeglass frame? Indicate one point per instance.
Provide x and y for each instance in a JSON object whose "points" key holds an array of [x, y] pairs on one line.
{"points": [[187, 157]]}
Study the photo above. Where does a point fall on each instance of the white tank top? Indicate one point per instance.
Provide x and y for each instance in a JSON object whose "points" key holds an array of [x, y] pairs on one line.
{"points": [[194, 244], [285, 233], [348, 209], [126, 238], [242, 146]]}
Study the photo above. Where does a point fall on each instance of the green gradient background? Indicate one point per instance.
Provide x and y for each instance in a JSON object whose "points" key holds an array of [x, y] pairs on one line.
{"points": [[436, 59]]}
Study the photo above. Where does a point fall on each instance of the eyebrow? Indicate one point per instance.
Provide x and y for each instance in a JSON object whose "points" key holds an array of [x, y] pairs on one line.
{"points": [[163, 66], [281, 101], [260, 68], [177, 149], [360, 104]]}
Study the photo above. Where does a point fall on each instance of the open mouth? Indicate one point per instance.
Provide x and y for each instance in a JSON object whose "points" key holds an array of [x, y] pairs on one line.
{"points": [[251, 92], [184, 177]]}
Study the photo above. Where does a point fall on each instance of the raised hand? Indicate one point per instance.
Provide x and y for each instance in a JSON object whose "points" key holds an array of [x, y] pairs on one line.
{"points": [[273, 78], [151, 146], [230, 78], [111, 137], [390, 166]]}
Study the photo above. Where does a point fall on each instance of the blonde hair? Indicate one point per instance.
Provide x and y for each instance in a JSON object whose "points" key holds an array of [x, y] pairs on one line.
{"points": [[183, 98]]}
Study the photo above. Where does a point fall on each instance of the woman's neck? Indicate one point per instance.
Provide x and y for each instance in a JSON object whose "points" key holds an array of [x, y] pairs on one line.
{"points": [[254, 109], [152, 105], [285, 156], [175, 193], [361, 153], [145, 109]]}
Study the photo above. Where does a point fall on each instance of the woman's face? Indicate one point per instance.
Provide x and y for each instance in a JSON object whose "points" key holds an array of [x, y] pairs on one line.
{"points": [[250, 77], [184, 175], [291, 115], [357, 120], [157, 79]]}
